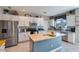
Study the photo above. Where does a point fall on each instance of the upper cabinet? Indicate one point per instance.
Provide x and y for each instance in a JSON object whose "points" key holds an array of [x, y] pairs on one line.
{"points": [[32, 20], [77, 12], [70, 20], [15, 18], [0, 17], [40, 21], [23, 21], [8, 17]]}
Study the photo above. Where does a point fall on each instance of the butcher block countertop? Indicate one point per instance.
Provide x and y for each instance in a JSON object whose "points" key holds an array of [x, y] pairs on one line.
{"points": [[40, 37]]}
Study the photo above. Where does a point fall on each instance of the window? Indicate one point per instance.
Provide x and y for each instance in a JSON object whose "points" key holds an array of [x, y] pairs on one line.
{"points": [[60, 23]]}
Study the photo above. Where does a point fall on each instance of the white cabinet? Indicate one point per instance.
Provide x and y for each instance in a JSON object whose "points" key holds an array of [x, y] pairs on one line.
{"points": [[70, 20], [51, 22], [0, 16], [15, 18], [23, 21], [71, 37], [33, 19], [40, 22], [9, 17], [77, 34], [77, 26], [27, 21], [77, 12], [23, 36], [6, 17]]}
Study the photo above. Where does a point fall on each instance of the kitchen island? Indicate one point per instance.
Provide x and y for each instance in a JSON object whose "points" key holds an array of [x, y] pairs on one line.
{"points": [[44, 42]]}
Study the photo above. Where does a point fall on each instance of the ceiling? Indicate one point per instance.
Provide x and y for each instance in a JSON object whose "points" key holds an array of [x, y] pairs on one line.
{"points": [[42, 10]]}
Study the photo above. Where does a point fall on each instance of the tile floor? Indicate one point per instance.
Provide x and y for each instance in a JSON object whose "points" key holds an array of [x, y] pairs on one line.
{"points": [[21, 47], [68, 47], [24, 47]]}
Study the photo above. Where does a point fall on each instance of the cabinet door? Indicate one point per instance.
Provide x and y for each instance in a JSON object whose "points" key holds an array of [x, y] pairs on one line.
{"points": [[70, 20], [26, 20], [71, 37], [6, 17], [77, 34], [21, 37], [77, 12], [1, 17], [77, 30], [40, 21], [21, 21], [31, 19], [15, 18]]}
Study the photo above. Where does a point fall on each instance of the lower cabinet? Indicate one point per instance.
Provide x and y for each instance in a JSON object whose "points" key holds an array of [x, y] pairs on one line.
{"points": [[46, 45], [71, 37], [23, 37]]}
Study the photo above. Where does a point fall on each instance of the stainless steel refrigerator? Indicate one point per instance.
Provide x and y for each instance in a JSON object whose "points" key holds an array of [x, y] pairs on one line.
{"points": [[9, 30]]}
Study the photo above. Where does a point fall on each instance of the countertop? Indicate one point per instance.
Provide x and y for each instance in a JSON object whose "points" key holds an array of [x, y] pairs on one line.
{"points": [[40, 37]]}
